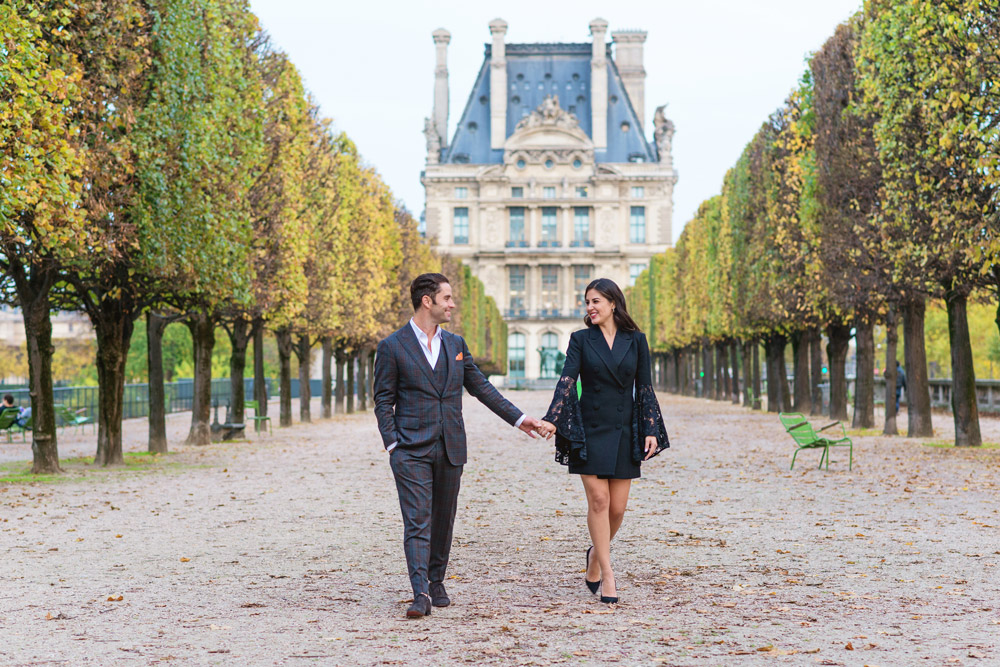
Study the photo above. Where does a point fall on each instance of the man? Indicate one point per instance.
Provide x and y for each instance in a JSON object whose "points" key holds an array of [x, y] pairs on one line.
{"points": [[900, 383], [419, 374], [23, 414]]}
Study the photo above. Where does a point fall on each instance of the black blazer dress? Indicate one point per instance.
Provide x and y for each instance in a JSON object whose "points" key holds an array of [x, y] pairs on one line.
{"points": [[603, 433]]}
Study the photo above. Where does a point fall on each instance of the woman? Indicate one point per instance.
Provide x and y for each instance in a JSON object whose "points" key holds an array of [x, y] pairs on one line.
{"points": [[614, 426]]}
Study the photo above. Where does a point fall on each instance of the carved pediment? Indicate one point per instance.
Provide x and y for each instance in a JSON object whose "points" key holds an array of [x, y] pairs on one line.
{"points": [[548, 127]]}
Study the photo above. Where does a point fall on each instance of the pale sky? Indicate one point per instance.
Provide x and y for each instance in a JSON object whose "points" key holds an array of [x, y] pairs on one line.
{"points": [[722, 66]]}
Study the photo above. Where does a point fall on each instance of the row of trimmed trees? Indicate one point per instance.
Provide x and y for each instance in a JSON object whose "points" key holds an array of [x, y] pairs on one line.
{"points": [[160, 159], [873, 189]]}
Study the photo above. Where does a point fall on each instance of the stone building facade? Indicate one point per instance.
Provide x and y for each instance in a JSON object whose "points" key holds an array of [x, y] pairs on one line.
{"points": [[551, 182]]}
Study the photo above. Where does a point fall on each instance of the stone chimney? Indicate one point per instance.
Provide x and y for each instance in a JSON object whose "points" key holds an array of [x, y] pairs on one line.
{"points": [[498, 84], [441, 39], [599, 85], [628, 58]]}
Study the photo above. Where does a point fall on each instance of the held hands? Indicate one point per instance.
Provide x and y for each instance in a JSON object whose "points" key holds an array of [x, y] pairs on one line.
{"points": [[533, 426], [650, 446], [546, 429]]}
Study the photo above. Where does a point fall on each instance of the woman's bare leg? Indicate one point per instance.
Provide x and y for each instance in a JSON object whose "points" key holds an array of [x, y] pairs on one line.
{"points": [[598, 501], [619, 489]]}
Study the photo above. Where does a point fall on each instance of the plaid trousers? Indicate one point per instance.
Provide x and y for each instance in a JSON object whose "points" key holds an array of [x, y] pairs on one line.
{"points": [[428, 485]]}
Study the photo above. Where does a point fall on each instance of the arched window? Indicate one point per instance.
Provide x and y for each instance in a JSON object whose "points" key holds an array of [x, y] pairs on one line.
{"points": [[515, 355], [550, 354]]}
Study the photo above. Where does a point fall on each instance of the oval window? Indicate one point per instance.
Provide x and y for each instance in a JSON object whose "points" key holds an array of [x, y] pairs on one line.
{"points": [[549, 163], [577, 163], [520, 164]]}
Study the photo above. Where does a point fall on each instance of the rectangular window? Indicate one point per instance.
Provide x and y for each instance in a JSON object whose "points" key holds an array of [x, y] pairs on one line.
{"points": [[581, 191], [550, 228], [461, 225], [581, 278], [548, 193], [550, 290], [516, 288], [515, 354], [637, 225], [517, 238], [638, 192], [581, 226], [633, 272], [517, 193], [461, 193]]}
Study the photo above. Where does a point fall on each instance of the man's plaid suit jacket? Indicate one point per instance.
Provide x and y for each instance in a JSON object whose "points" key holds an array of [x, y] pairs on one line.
{"points": [[410, 409]]}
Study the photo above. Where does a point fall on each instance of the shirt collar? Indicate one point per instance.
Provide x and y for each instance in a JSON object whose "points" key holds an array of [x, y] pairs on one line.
{"points": [[421, 336]]}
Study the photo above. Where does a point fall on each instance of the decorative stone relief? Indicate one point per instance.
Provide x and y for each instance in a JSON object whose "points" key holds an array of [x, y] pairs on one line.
{"points": [[433, 141], [549, 113], [605, 227], [492, 231]]}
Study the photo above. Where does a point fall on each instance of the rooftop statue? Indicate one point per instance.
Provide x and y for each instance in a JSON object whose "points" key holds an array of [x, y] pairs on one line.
{"points": [[549, 113]]}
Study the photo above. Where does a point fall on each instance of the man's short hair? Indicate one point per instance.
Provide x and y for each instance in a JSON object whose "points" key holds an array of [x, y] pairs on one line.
{"points": [[428, 284], [8, 398]]}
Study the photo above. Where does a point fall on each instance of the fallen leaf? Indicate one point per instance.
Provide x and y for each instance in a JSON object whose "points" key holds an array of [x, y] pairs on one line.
{"points": [[185, 560], [850, 646]]}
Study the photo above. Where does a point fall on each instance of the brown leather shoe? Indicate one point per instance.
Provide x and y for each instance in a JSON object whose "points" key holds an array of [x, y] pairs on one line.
{"points": [[421, 606], [439, 596]]}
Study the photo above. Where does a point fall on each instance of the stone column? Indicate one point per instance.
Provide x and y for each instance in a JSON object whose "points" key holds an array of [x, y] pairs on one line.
{"points": [[441, 39], [599, 85], [498, 84]]}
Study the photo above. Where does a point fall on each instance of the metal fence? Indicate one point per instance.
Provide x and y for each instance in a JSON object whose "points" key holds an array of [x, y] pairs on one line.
{"points": [[179, 396]]}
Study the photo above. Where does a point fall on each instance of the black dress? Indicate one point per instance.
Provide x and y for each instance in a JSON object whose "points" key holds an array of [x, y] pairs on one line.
{"points": [[604, 432]]}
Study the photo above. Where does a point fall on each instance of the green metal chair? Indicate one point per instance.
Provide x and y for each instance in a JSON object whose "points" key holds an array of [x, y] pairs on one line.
{"points": [[23, 430], [257, 418], [806, 437], [8, 421], [76, 419]]}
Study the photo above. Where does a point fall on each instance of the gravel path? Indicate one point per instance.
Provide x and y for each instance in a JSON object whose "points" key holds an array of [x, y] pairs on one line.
{"points": [[287, 551]]}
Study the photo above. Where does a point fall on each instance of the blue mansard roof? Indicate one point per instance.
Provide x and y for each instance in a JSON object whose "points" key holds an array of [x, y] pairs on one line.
{"points": [[535, 71]]}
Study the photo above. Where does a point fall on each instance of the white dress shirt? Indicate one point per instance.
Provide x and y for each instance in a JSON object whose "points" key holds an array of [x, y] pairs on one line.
{"points": [[431, 353]]}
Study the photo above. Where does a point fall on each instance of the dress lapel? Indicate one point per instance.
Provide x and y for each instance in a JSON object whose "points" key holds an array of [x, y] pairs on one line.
{"points": [[601, 347], [623, 341], [412, 347]]}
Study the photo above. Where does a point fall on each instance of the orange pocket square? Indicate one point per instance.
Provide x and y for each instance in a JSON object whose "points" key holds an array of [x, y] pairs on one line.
{"points": [[458, 357]]}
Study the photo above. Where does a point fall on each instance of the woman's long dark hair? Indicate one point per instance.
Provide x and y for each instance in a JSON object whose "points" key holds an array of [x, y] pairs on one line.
{"points": [[610, 291]]}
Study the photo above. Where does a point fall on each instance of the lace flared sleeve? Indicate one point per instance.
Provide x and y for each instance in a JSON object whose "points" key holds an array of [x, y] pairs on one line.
{"points": [[564, 411], [647, 420]]}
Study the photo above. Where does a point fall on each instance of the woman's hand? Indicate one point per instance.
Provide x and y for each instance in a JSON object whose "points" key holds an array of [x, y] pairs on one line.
{"points": [[650, 446], [546, 429]]}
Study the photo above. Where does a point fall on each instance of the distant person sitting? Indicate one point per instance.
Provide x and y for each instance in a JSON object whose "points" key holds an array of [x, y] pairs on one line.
{"points": [[900, 383], [8, 402]]}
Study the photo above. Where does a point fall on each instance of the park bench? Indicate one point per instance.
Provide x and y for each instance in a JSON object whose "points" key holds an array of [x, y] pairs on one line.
{"points": [[257, 417], [806, 437]]}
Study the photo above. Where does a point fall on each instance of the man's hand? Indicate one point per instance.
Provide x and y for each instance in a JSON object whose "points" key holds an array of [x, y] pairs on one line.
{"points": [[530, 425]]}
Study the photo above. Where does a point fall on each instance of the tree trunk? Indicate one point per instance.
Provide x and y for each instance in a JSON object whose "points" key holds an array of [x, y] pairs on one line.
{"points": [[816, 371], [756, 375], [964, 405], [202, 329], [784, 391], [747, 354], [891, 343], [327, 394], [155, 326], [240, 335], [721, 375], [734, 362], [259, 381], [284, 337], [370, 376], [350, 384], [773, 385], [918, 394], [113, 328], [362, 379], [864, 375], [339, 395], [698, 388], [708, 377], [836, 352], [800, 369], [38, 333], [303, 350]]}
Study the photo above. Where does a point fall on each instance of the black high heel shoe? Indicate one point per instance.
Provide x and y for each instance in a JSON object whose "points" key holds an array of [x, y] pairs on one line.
{"points": [[608, 600], [592, 585]]}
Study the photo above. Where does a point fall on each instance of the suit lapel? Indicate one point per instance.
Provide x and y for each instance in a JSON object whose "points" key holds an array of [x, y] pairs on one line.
{"points": [[449, 346], [601, 347], [412, 347], [623, 341]]}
